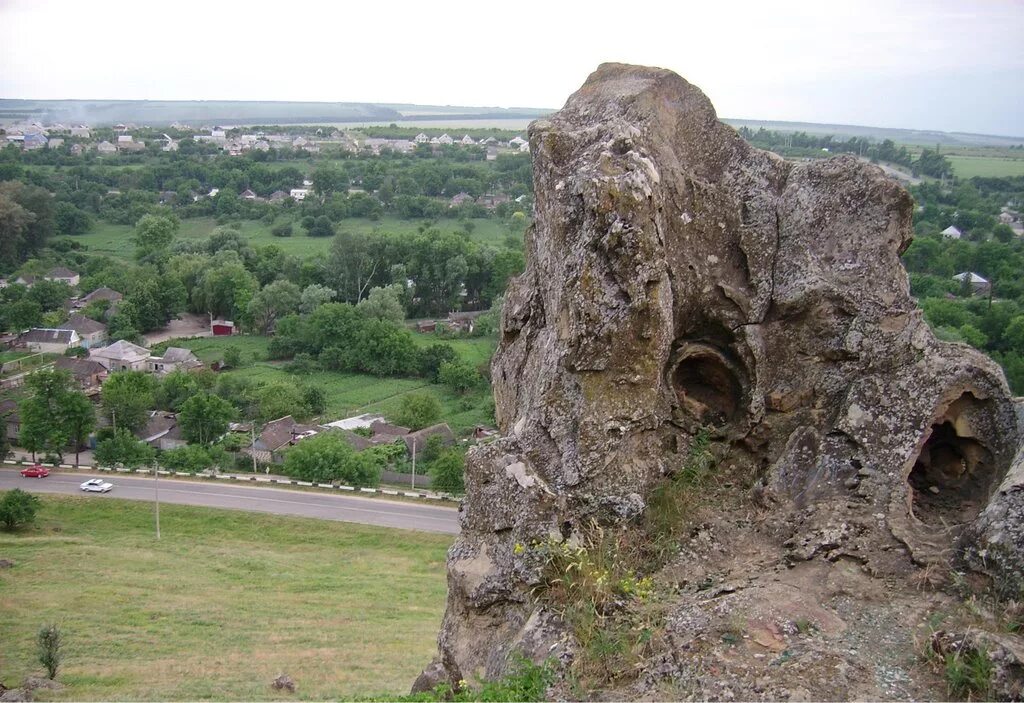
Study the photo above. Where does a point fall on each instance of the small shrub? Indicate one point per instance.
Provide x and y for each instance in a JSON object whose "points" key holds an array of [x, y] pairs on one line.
{"points": [[17, 509], [51, 648]]}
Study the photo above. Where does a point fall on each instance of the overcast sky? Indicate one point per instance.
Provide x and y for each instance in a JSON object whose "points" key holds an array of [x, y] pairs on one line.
{"points": [[954, 66]]}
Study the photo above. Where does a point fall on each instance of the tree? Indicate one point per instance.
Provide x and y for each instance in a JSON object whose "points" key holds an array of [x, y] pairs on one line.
{"points": [[153, 237], [43, 421], [127, 397], [18, 508], [194, 458], [79, 419], [447, 472], [226, 289], [51, 295], [314, 399], [282, 230], [51, 648], [70, 220], [431, 358], [418, 410], [274, 301], [204, 418], [23, 315], [384, 304], [329, 457], [123, 448], [321, 227], [313, 296], [175, 388], [458, 375]]}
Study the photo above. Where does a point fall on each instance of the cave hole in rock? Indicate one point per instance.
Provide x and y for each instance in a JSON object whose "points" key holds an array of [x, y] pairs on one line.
{"points": [[953, 476], [708, 388]]}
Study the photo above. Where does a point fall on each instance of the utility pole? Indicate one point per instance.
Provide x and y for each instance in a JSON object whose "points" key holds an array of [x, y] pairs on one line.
{"points": [[252, 447], [156, 490], [414, 463]]}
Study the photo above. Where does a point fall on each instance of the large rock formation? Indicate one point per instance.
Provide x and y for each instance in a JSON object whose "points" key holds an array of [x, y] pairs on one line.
{"points": [[678, 278]]}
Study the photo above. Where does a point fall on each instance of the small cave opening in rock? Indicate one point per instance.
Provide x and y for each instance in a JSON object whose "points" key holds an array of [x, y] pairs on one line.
{"points": [[707, 388], [952, 479]]}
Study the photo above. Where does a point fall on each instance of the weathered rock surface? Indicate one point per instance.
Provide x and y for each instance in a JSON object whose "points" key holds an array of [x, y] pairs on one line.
{"points": [[678, 278]]}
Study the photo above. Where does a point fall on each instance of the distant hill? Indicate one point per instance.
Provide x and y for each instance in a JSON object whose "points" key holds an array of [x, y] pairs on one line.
{"points": [[240, 112], [230, 112], [900, 136]]}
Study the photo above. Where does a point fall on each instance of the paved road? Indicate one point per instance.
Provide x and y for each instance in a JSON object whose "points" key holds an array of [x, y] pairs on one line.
{"points": [[368, 511]]}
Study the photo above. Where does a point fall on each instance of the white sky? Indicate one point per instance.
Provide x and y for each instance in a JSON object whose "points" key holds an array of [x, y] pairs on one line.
{"points": [[939, 64]]}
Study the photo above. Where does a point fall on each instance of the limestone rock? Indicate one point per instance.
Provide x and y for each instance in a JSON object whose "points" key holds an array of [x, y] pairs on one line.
{"points": [[678, 278]]}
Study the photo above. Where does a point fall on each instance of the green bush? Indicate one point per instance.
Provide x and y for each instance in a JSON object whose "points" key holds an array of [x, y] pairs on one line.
{"points": [[17, 509], [51, 649]]}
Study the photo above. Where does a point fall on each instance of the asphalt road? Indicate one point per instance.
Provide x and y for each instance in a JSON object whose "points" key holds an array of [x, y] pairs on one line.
{"points": [[367, 511]]}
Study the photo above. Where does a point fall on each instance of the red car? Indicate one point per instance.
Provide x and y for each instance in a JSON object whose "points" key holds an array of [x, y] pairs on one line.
{"points": [[35, 471]]}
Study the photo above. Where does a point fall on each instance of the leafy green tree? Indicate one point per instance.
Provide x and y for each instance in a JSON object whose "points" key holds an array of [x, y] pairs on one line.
{"points": [[78, 418], [328, 457], [431, 358], [276, 400], [204, 418], [226, 289], [283, 229], [15, 221], [17, 509], [314, 399], [23, 315], [123, 448], [458, 375], [25, 230], [418, 410], [447, 472], [322, 227], [175, 388], [313, 296], [384, 304], [71, 220], [274, 301], [153, 237], [51, 295], [127, 397], [43, 421]]}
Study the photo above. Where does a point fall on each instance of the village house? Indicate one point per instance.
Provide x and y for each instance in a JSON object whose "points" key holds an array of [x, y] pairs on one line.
{"points": [[459, 199], [463, 321], [103, 293], [416, 442], [82, 132], [445, 140], [162, 431], [89, 374], [121, 356], [492, 200], [517, 142], [978, 285], [952, 232], [278, 435], [106, 147], [54, 143], [278, 196], [467, 140], [28, 280], [33, 140], [62, 275], [52, 341], [299, 193], [77, 149], [421, 138], [173, 359], [247, 195], [90, 332]]}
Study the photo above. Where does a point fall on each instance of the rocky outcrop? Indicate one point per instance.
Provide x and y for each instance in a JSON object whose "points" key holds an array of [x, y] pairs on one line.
{"points": [[677, 279]]}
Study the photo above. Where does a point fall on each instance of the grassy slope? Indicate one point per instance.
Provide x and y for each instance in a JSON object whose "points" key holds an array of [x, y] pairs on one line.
{"points": [[113, 240], [225, 602], [351, 394]]}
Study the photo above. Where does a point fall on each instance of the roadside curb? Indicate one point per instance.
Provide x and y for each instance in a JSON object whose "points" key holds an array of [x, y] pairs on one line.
{"points": [[434, 497]]}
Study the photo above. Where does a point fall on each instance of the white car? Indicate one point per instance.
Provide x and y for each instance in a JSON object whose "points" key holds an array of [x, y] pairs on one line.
{"points": [[96, 485]]}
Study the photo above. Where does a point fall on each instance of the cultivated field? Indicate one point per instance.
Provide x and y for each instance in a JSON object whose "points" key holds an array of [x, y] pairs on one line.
{"points": [[113, 240], [986, 166], [221, 605]]}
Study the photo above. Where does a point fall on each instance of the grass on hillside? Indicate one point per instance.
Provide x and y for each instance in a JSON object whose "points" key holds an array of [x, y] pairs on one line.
{"points": [[350, 394], [113, 240], [221, 605]]}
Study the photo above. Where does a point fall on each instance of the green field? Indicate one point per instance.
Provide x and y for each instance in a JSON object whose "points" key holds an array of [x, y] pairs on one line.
{"points": [[221, 605], [114, 240], [986, 166], [350, 394]]}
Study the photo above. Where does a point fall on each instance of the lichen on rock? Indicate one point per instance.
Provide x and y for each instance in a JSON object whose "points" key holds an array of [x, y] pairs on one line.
{"points": [[679, 281]]}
